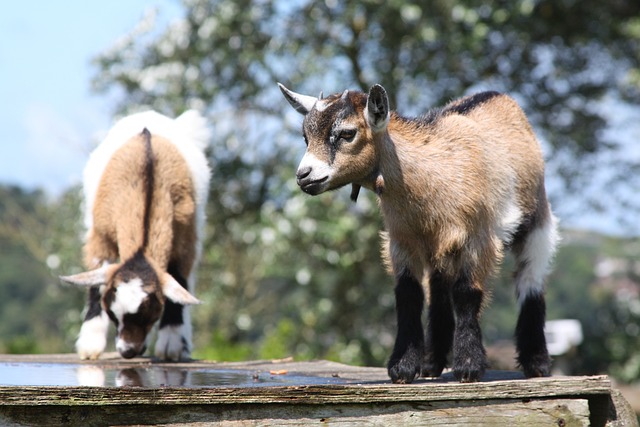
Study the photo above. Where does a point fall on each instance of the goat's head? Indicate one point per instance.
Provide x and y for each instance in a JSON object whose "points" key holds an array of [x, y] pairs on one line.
{"points": [[339, 132], [133, 295]]}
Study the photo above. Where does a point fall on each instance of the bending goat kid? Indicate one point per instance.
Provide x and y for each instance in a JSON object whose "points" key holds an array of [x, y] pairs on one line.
{"points": [[145, 190], [456, 187]]}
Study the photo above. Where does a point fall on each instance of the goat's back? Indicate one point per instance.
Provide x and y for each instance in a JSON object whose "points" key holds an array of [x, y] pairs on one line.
{"points": [[476, 150], [146, 200], [468, 171], [188, 133]]}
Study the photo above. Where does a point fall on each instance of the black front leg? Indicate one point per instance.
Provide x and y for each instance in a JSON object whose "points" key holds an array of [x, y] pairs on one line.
{"points": [[172, 315], [469, 356], [440, 327], [404, 365], [173, 341], [94, 306]]}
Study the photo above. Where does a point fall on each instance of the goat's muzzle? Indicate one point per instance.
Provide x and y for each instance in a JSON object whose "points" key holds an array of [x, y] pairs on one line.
{"points": [[130, 350], [308, 182]]}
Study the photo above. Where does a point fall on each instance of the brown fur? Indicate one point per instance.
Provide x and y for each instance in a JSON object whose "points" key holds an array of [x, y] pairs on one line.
{"points": [[441, 183], [119, 209]]}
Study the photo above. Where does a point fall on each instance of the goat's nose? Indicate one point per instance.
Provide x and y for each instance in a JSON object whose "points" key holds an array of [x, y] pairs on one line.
{"points": [[129, 353], [303, 172]]}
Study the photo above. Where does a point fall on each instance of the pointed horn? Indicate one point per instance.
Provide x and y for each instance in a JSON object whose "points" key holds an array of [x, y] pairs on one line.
{"points": [[344, 94], [320, 96], [90, 278], [174, 291], [302, 103]]}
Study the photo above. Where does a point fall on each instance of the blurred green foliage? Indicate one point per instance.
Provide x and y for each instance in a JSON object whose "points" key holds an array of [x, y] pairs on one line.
{"points": [[38, 237], [285, 274]]}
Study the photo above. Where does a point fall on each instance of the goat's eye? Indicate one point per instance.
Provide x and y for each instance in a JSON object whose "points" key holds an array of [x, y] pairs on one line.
{"points": [[347, 134]]}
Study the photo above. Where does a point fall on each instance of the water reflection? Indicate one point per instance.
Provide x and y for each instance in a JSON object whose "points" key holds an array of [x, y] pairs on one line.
{"points": [[61, 374], [155, 376], [163, 376], [135, 377], [90, 376]]}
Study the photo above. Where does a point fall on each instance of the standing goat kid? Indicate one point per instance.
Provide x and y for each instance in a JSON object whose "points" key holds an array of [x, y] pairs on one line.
{"points": [[145, 190], [455, 187]]}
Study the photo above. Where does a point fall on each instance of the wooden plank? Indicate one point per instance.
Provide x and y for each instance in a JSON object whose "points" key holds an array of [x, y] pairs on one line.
{"points": [[349, 396], [565, 412], [306, 394]]}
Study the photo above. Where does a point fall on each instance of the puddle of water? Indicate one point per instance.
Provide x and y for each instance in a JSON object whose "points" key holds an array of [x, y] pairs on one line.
{"points": [[53, 374]]}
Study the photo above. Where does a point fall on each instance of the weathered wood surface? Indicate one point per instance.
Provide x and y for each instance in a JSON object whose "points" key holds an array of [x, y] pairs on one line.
{"points": [[364, 396]]}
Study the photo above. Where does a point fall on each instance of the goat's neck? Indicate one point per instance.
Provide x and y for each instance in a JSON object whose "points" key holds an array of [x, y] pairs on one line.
{"points": [[386, 173]]}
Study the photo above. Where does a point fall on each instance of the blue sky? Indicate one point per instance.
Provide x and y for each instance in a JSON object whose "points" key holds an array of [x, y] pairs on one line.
{"points": [[50, 118]]}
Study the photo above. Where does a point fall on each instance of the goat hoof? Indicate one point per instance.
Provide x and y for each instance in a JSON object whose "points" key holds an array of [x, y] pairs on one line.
{"points": [[469, 372], [90, 347], [405, 369], [403, 374], [432, 369], [171, 345], [536, 367], [468, 376]]}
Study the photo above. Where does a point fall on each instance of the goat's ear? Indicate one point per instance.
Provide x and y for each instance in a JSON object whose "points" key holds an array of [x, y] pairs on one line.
{"points": [[377, 108], [90, 278], [175, 292], [302, 103]]}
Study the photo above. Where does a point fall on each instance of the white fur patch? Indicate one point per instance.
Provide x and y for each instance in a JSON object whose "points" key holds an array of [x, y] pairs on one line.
{"points": [[539, 248], [508, 221], [129, 296], [174, 343], [92, 339], [319, 168]]}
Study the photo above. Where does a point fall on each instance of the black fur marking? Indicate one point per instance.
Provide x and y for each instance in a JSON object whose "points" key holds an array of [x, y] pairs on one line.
{"points": [[137, 266], [148, 178], [113, 317], [440, 327], [139, 323], [355, 191], [533, 356], [465, 105], [427, 119], [94, 308], [406, 359], [469, 356], [172, 315], [532, 220]]}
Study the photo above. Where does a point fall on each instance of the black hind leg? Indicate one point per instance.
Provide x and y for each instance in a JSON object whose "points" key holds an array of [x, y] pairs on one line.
{"points": [[531, 345], [440, 327], [405, 362], [534, 249]]}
